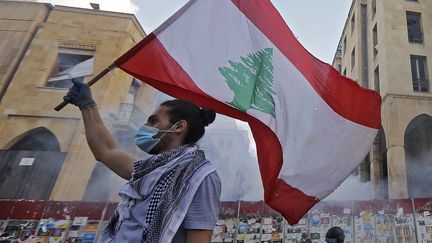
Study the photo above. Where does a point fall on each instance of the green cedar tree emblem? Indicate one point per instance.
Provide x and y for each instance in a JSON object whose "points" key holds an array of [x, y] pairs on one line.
{"points": [[252, 82]]}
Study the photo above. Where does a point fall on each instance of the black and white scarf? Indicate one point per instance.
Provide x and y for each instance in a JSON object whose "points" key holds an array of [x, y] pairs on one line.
{"points": [[168, 191]]}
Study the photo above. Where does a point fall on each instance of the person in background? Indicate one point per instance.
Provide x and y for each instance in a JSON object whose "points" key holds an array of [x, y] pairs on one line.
{"points": [[335, 235], [174, 195]]}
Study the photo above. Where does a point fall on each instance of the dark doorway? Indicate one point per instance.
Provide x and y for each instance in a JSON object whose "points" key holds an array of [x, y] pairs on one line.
{"points": [[29, 169], [418, 151], [380, 148]]}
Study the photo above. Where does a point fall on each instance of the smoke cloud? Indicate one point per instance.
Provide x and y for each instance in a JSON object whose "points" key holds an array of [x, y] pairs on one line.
{"points": [[352, 189], [419, 171], [231, 149]]}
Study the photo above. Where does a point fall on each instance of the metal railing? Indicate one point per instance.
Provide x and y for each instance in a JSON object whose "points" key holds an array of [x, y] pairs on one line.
{"points": [[130, 113], [415, 36], [421, 85]]}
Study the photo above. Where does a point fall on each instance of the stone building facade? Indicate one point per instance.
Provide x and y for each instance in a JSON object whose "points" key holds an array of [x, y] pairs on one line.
{"points": [[43, 153], [386, 45]]}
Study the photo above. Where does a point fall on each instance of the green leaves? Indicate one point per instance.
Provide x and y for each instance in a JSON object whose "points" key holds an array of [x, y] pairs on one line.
{"points": [[252, 82]]}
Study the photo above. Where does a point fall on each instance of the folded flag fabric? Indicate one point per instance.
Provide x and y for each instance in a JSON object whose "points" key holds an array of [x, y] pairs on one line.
{"points": [[312, 126]]}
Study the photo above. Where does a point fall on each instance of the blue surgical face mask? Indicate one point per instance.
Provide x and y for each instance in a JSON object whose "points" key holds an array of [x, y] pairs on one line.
{"points": [[144, 137]]}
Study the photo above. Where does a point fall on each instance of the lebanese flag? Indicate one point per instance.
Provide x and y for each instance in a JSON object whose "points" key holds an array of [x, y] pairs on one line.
{"points": [[312, 126]]}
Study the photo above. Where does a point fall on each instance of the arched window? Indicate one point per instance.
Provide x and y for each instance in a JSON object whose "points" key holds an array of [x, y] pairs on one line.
{"points": [[38, 139], [418, 156], [30, 167]]}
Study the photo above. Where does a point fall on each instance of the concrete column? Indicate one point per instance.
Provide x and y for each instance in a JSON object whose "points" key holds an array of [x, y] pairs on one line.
{"points": [[397, 172], [376, 172]]}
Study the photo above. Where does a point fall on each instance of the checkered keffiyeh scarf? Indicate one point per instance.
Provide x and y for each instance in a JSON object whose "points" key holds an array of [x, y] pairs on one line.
{"points": [[170, 188]]}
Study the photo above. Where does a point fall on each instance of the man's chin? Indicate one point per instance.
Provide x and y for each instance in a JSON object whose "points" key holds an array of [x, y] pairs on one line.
{"points": [[153, 152]]}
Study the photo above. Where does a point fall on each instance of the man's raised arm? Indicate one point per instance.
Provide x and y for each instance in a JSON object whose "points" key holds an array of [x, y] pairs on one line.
{"points": [[99, 139]]}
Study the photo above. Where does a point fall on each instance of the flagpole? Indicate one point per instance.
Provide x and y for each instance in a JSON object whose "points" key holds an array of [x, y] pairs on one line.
{"points": [[90, 83]]}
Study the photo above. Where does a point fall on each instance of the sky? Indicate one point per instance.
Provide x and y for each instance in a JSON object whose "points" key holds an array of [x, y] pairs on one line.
{"points": [[317, 24]]}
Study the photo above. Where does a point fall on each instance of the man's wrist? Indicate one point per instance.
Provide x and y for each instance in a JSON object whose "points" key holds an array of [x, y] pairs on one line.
{"points": [[87, 107]]}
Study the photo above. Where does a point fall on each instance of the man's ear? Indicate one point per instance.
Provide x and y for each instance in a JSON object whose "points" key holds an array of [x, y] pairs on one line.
{"points": [[181, 126]]}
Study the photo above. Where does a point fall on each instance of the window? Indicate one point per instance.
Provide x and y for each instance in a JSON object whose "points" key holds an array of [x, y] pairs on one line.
{"points": [[415, 33], [344, 72], [353, 58], [344, 45], [419, 73], [373, 7], [375, 40], [71, 63], [339, 51], [376, 80], [135, 87], [352, 23]]}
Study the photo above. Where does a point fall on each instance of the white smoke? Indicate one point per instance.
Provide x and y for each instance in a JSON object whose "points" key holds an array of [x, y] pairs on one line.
{"points": [[231, 149], [252, 146], [352, 189], [419, 171]]}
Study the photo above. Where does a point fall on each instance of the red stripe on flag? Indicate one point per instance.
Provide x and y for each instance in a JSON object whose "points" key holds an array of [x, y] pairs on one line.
{"points": [[292, 203], [152, 64], [343, 95], [151, 59]]}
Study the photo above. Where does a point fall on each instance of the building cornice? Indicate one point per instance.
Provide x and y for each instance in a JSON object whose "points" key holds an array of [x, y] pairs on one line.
{"points": [[408, 96], [102, 13]]}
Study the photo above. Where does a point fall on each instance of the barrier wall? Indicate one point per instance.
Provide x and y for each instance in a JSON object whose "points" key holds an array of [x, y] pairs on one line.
{"points": [[400, 221]]}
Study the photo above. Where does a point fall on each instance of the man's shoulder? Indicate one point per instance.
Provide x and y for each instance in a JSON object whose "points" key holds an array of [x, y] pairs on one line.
{"points": [[212, 182]]}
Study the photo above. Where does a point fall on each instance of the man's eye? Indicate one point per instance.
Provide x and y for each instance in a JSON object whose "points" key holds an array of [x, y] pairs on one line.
{"points": [[152, 120]]}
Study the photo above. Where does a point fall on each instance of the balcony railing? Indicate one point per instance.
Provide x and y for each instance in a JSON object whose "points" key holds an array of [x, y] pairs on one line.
{"points": [[415, 36], [421, 85], [130, 113]]}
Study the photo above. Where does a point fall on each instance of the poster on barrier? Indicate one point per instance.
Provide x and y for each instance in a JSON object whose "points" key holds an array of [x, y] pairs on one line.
{"points": [[402, 209], [52, 231], [249, 222], [364, 222], [224, 230], [384, 220], [20, 229], [272, 229], [393, 220], [295, 233], [342, 217], [85, 233], [423, 210], [56, 221], [24, 218], [319, 222], [85, 224]]}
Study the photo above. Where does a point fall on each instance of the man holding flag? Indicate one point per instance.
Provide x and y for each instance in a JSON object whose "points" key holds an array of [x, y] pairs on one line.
{"points": [[173, 195], [312, 126]]}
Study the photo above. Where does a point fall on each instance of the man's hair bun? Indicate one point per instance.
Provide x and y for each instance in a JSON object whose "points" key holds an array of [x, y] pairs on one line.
{"points": [[207, 116]]}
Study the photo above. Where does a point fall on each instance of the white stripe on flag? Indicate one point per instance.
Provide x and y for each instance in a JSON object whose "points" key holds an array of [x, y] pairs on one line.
{"points": [[320, 148]]}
